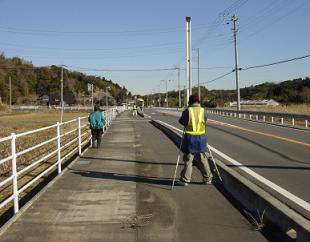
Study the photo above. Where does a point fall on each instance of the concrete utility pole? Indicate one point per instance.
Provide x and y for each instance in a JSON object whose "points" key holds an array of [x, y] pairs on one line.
{"points": [[62, 93], [106, 97], [179, 87], [10, 93], [185, 97], [234, 19], [198, 77], [167, 98], [188, 57], [92, 96], [159, 96]]}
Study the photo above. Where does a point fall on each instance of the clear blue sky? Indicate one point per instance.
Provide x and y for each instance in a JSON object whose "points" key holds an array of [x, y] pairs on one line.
{"points": [[145, 34]]}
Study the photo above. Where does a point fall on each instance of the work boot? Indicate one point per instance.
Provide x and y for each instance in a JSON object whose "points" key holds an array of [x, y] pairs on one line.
{"points": [[182, 183], [207, 181]]}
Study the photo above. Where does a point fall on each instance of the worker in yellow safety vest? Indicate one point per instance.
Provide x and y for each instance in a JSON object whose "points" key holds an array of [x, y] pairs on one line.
{"points": [[134, 110], [194, 145]]}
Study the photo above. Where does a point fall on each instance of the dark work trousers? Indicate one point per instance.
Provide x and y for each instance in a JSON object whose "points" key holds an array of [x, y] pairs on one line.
{"points": [[96, 135]]}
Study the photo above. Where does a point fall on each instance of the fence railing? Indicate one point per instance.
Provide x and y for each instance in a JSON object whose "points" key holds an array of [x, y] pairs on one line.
{"points": [[287, 119], [55, 144]]}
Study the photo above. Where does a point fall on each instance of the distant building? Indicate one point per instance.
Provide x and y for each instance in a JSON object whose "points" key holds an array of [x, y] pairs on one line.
{"points": [[54, 98], [265, 102]]}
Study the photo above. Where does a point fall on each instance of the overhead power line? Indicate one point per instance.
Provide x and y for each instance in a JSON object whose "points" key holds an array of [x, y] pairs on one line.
{"points": [[217, 78], [275, 63], [121, 70]]}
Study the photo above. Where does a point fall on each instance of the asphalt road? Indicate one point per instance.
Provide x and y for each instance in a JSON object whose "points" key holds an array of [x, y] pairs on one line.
{"points": [[282, 155]]}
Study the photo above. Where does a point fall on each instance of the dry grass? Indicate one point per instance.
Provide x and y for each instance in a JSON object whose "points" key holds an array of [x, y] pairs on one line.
{"points": [[19, 122], [293, 108]]}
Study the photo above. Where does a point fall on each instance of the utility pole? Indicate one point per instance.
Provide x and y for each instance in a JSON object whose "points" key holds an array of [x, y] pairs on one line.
{"points": [[167, 105], [92, 96], [185, 97], [106, 96], [188, 57], [10, 93], [159, 96], [234, 19], [198, 75], [179, 87], [62, 93]]}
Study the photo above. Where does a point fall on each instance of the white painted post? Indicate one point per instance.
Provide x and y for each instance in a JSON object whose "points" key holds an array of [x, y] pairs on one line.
{"points": [[14, 172], [244, 115], [256, 117], [235, 115], [240, 115], [293, 122], [306, 121], [79, 136], [272, 119], [250, 116], [58, 148], [282, 121], [264, 118]]}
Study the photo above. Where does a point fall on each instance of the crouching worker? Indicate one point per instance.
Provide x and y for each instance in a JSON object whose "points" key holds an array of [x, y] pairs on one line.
{"points": [[194, 146], [97, 123]]}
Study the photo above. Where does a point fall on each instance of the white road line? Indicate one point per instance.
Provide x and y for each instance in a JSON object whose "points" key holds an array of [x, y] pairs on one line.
{"points": [[302, 203]]}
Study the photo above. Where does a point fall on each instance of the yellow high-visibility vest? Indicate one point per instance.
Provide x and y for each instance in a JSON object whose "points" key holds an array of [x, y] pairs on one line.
{"points": [[134, 107], [196, 122]]}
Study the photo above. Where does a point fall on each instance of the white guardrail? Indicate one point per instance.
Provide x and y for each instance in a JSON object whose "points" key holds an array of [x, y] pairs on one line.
{"points": [[284, 119], [61, 136]]}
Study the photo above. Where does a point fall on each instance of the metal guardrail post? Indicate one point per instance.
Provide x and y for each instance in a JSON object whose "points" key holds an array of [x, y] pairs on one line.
{"points": [[250, 116], [79, 136], [293, 122], [58, 148], [264, 118], [256, 117], [282, 121], [306, 123], [14, 173], [272, 120]]}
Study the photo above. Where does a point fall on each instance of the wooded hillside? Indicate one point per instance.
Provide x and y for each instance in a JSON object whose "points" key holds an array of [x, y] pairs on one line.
{"points": [[29, 83], [295, 91]]}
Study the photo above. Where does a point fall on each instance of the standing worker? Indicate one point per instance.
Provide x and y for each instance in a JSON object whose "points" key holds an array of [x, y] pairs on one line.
{"points": [[194, 146], [134, 110], [97, 122]]}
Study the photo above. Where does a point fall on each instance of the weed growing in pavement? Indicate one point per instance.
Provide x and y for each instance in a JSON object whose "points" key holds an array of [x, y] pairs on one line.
{"points": [[257, 221]]}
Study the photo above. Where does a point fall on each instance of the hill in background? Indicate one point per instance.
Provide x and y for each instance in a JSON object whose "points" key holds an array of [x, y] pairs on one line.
{"points": [[29, 83], [295, 91]]}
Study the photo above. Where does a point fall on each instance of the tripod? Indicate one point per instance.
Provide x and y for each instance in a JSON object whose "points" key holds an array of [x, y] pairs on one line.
{"points": [[178, 160], [214, 163]]}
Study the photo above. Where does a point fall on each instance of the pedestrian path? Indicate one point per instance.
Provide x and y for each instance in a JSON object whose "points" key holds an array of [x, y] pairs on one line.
{"points": [[121, 192]]}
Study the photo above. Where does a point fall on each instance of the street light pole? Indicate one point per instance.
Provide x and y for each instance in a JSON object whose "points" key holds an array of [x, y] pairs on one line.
{"points": [[188, 57]]}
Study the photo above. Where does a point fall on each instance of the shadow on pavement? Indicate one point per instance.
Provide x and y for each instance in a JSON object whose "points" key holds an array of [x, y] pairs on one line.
{"points": [[123, 177], [132, 161]]}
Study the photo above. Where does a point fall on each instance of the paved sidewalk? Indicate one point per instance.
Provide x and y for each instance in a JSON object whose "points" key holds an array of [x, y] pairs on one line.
{"points": [[121, 192]]}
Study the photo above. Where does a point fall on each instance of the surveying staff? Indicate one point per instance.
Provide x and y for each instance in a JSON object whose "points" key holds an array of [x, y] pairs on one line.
{"points": [[97, 122], [134, 110], [194, 120]]}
